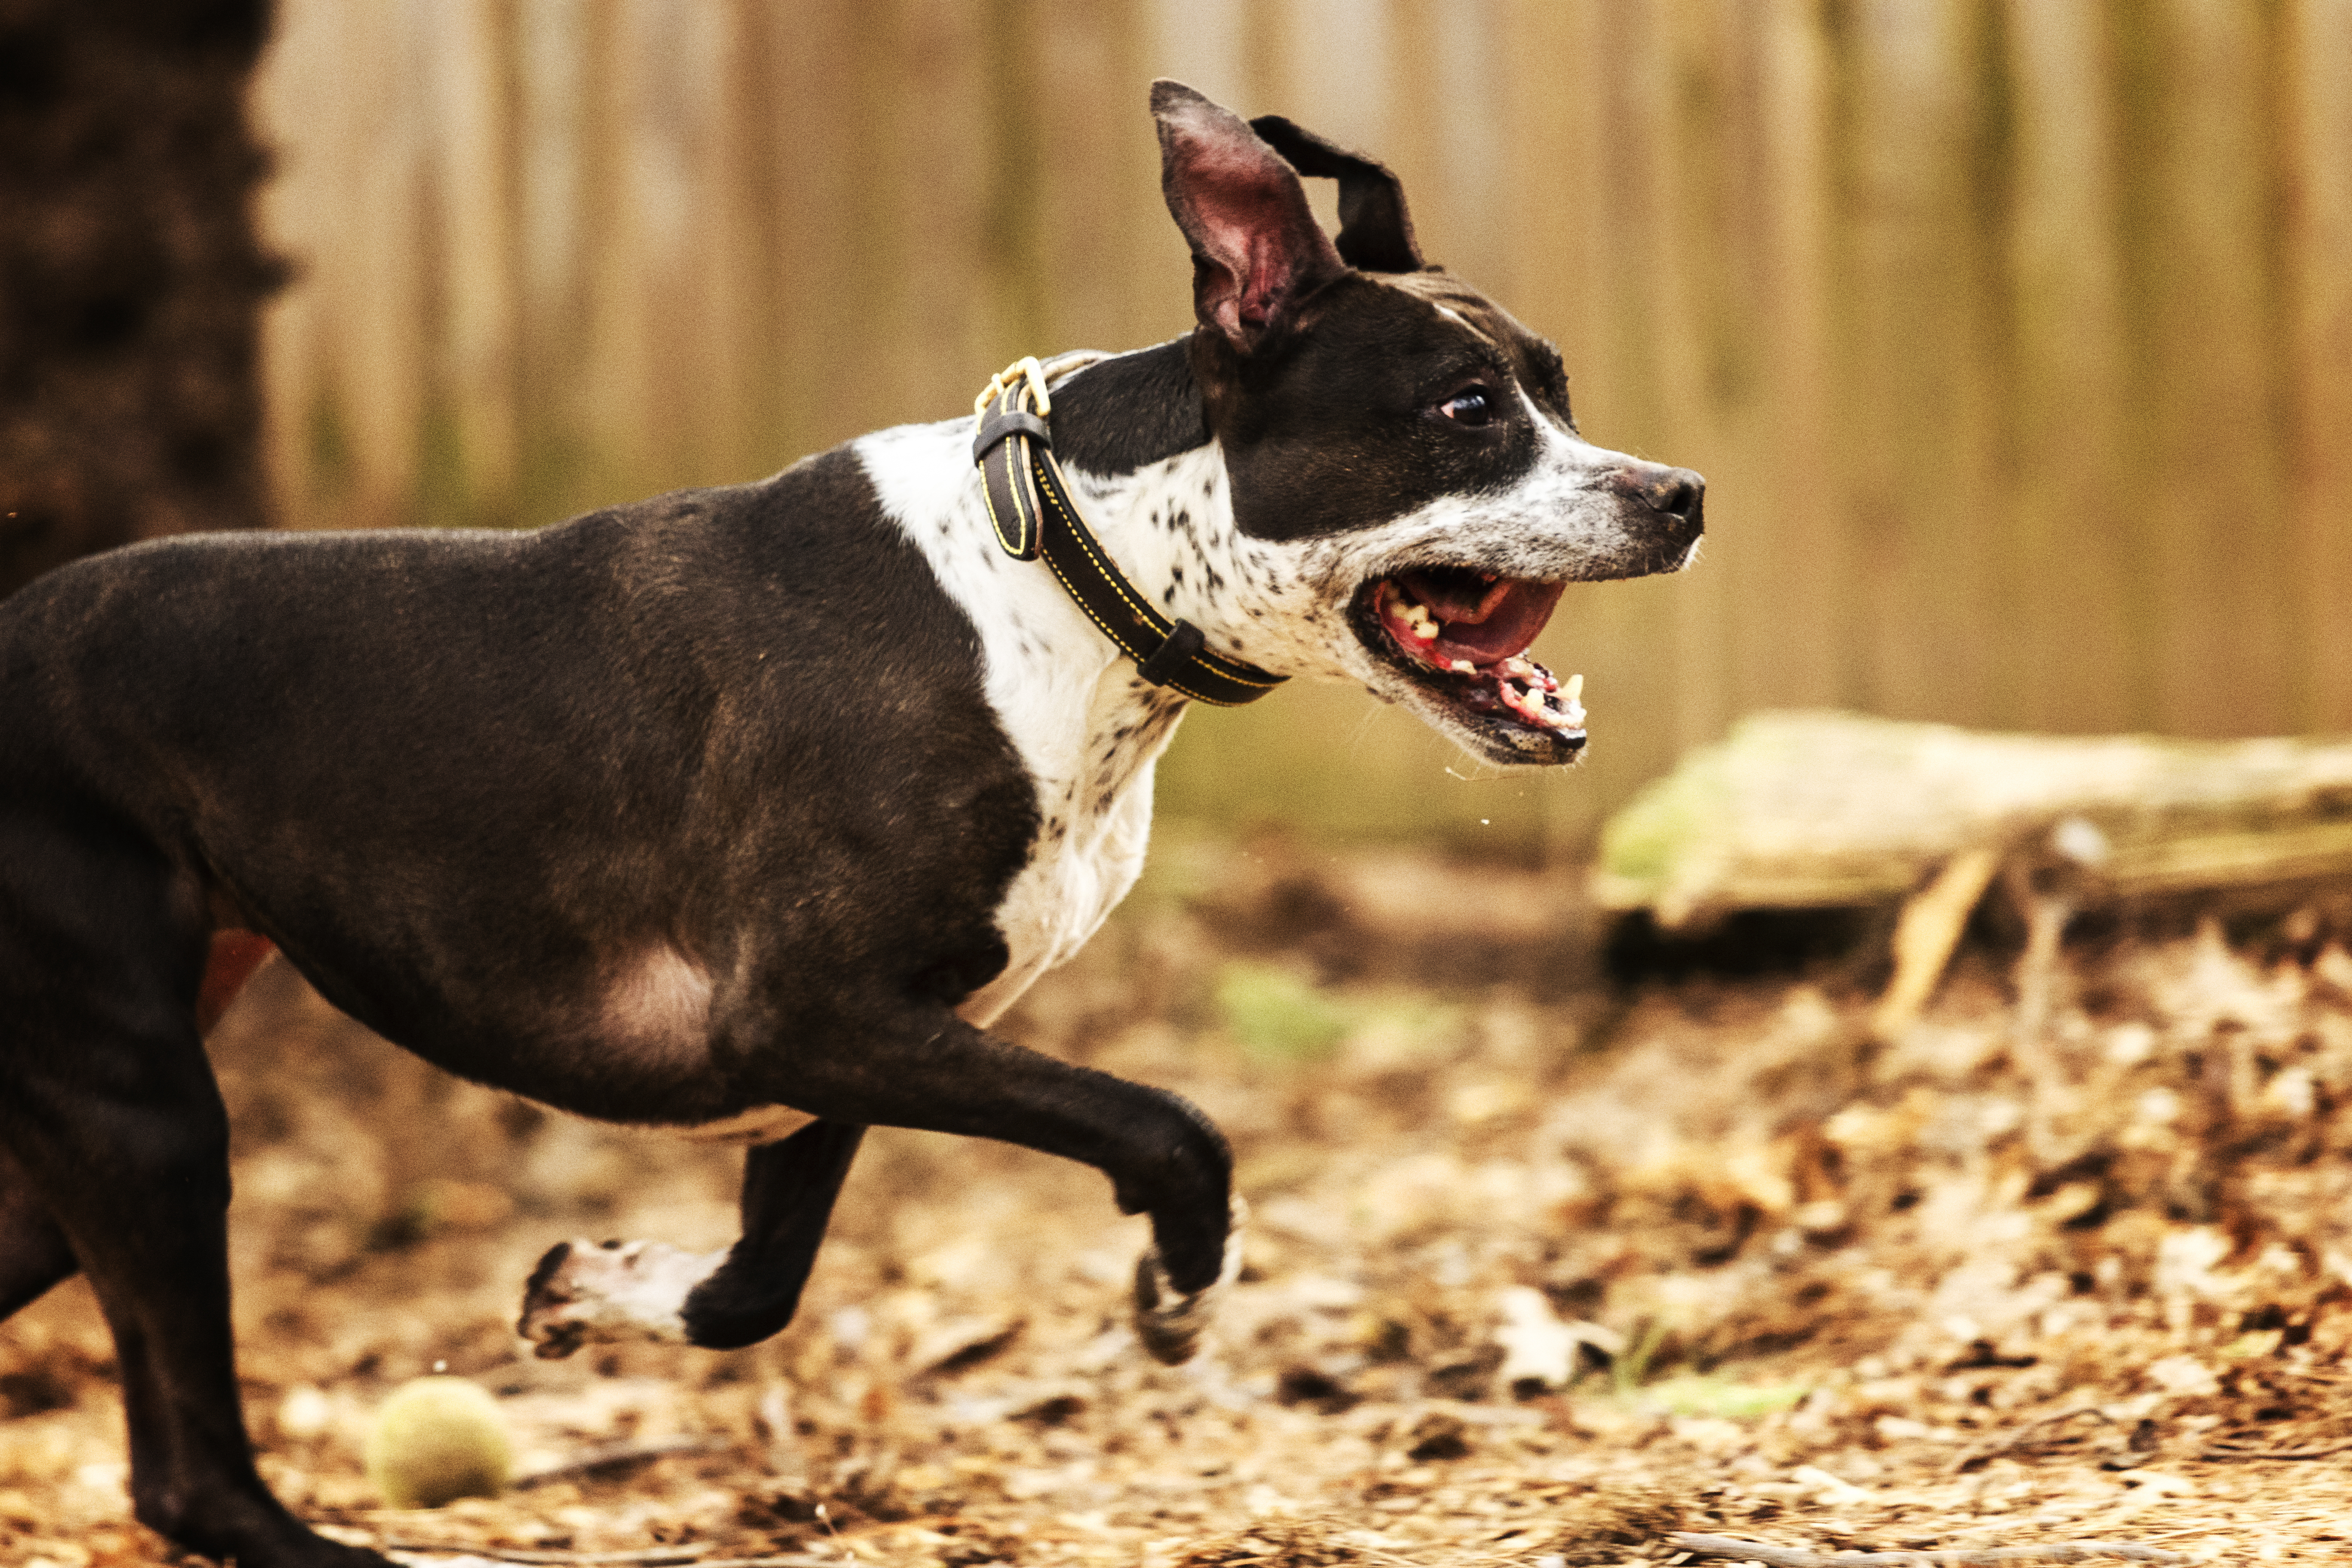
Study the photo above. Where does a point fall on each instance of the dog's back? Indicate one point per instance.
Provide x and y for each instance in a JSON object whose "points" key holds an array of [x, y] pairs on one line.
{"points": [[353, 742]]}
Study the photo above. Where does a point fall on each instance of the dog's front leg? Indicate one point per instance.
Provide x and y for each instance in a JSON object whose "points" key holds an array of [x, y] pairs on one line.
{"points": [[930, 1071], [927, 1068], [584, 1292]]}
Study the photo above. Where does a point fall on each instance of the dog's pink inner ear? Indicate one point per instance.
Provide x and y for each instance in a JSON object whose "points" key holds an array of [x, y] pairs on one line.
{"points": [[1257, 250]]}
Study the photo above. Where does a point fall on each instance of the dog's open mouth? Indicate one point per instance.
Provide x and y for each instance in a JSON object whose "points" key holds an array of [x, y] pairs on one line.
{"points": [[1465, 633]]}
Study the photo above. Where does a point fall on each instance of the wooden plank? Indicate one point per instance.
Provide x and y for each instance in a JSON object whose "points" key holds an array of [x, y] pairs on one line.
{"points": [[362, 261], [603, 466], [377, 265], [613, 332], [2217, 526], [731, 272], [1118, 277], [1796, 642], [1443, 126], [1339, 69], [474, 167], [558, 80], [658, 366], [1466, 121], [1920, 422], [2319, 242], [832, 231], [1701, 121], [959, 307], [1008, 253], [2079, 636], [289, 106], [1546, 73], [1202, 43], [755, 179]]}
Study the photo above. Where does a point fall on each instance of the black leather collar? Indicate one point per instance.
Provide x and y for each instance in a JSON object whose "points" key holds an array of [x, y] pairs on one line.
{"points": [[1034, 517]]}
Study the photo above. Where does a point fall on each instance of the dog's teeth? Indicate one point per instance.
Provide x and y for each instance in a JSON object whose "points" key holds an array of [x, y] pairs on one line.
{"points": [[1464, 666], [1520, 668], [1575, 692]]}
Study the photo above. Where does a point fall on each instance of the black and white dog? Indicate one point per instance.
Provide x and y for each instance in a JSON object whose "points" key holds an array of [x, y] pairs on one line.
{"points": [[747, 810]]}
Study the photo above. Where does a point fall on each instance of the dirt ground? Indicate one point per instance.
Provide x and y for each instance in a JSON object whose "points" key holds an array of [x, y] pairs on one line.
{"points": [[1543, 1266]]}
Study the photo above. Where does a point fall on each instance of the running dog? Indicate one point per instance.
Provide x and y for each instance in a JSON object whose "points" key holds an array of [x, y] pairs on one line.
{"points": [[747, 810]]}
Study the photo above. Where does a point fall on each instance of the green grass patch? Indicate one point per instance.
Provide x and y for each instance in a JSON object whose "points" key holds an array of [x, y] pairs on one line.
{"points": [[1696, 1394], [1279, 1016]]}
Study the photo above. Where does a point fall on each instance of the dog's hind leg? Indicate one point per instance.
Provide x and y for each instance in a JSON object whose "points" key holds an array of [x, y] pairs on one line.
{"points": [[641, 1290], [110, 1112]]}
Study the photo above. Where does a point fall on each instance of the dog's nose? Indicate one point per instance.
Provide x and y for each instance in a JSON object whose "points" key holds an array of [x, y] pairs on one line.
{"points": [[1677, 493]]}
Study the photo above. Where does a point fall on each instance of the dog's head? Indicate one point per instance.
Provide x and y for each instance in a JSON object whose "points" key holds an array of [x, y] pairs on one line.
{"points": [[1395, 440]]}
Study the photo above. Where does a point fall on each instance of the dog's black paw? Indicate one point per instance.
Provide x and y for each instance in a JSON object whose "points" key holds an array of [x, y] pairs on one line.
{"points": [[1169, 1321], [249, 1530]]}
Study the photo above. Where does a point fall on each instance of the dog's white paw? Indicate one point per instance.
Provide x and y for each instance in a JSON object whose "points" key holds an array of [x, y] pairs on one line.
{"points": [[584, 1292], [1170, 1322]]}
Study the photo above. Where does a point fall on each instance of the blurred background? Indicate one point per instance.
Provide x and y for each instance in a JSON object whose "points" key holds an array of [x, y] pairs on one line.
{"points": [[2013, 336]]}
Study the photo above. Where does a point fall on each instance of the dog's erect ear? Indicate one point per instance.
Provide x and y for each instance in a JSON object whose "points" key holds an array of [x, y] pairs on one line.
{"points": [[1375, 230], [1257, 250]]}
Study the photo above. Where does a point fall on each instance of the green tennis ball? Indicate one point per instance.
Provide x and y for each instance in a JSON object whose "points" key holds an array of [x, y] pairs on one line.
{"points": [[437, 1440]]}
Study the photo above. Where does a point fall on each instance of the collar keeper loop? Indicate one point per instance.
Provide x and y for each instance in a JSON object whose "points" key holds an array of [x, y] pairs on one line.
{"points": [[1185, 640], [996, 425]]}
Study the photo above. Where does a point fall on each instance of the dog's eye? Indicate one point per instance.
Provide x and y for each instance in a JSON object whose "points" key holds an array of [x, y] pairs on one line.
{"points": [[1471, 405]]}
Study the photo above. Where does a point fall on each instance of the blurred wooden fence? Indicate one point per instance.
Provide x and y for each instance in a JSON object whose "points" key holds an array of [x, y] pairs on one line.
{"points": [[2014, 336]]}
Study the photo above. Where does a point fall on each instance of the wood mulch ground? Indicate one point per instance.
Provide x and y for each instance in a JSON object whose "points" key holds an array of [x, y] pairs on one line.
{"points": [[1543, 1269]]}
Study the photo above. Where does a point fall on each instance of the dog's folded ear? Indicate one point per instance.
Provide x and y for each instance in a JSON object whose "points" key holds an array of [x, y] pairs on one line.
{"points": [[1375, 229], [1257, 251]]}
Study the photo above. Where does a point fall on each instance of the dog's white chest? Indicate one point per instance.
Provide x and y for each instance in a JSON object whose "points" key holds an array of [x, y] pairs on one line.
{"points": [[1062, 897], [1087, 727]]}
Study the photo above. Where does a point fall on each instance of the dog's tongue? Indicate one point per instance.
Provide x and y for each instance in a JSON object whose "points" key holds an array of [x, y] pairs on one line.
{"points": [[1502, 621]]}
